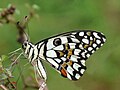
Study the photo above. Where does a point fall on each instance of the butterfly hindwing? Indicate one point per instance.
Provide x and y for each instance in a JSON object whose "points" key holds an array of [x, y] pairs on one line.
{"points": [[68, 52]]}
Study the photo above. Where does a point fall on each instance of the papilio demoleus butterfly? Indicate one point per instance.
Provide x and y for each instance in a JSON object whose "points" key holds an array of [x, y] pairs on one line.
{"points": [[66, 52]]}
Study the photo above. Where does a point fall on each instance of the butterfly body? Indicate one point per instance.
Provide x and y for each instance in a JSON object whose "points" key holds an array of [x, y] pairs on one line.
{"points": [[66, 52]]}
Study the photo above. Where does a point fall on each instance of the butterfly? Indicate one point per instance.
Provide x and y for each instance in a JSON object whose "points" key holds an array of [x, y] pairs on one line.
{"points": [[66, 53]]}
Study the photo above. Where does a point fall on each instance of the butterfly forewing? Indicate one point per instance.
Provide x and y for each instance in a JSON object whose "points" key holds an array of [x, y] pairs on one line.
{"points": [[68, 52]]}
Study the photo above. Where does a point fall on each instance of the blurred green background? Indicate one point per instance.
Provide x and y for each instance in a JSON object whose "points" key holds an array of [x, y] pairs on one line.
{"points": [[56, 16]]}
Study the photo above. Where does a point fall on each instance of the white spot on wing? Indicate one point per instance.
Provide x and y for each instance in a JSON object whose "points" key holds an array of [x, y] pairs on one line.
{"points": [[75, 40], [51, 53], [80, 46], [101, 44], [70, 70], [98, 41], [91, 38], [68, 76], [82, 71], [81, 34], [72, 45], [83, 54], [82, 62], [76, 66], [64, 40], [50, 44], [77, 76], [63, 58], [97, 48], [74, 58], [104, 39], [85, 40], [93, 51], [94, 45], [58, 60], [51, 61], [59, 47], [88, 55], [96, 35], [77, 51], [90, 48], [85, 36]]}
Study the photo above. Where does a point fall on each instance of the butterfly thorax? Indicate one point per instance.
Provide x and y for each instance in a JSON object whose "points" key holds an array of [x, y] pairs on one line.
{"points": [[31, 51]]}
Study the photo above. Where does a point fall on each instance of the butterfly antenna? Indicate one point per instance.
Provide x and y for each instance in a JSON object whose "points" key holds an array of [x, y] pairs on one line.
{"points": [[28, 33]]}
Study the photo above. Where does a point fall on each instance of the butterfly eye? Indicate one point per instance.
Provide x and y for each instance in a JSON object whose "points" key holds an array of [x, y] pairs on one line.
{"points": [[24, 45], [57, 41]]}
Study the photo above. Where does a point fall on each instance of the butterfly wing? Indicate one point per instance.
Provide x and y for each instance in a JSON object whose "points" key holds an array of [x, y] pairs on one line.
{"points": [[40, 70], [68, 52]]}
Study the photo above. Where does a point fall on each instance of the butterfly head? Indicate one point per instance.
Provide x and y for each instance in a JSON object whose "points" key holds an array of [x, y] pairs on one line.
{"points": [[25, 44]]}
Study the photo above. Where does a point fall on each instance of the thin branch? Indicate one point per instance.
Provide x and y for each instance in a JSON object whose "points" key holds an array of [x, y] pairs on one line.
{"points": [[3, 87], [15, 61], [13, 86], [14, 51]]}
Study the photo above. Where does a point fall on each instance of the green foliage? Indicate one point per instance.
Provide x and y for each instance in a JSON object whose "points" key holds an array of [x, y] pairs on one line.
{"points": [[4, 72]]}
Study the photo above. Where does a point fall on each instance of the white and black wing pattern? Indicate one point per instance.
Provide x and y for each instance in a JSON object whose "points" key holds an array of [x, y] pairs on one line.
{"points": [[68, 52], [40, 70]]}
